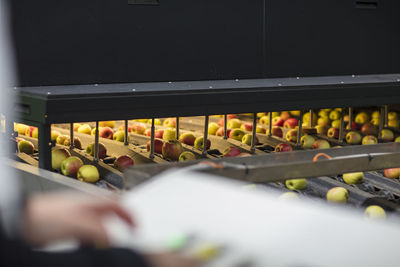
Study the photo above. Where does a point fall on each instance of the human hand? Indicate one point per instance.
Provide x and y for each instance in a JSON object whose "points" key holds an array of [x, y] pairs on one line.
{"points": [[68, 215], [170, 259]]}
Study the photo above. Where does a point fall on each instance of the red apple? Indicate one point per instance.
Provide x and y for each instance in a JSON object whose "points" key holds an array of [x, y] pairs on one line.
{"points": [[231, 152], [392, 173], [321, 144], [158, 144], [369, 129], [247, 127], [277, 121], [354, 126], [285, 115], [172, 149], [231, 116], [290, 123], [77, 142], [291, 135], [199, 143], [187, 138], [283, 147], [70, 166], [106, 132], [333, 132], [220, 132], [277, 131], [221, 122], [102, 150], [139, 128], [123, 162], [29, 131]]}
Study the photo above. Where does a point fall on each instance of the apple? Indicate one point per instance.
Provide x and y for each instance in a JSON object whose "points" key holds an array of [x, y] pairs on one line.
{"points": [[76, 126], [169, 134], [220, 132], [369, 129], [375, 121], [285, 115], [306, 118], [221, 122], [231, 152], [375, 212], [324, 121], [392, 173], [321, 129], [323, 113], [376, 114], [93, 132], [122, 128], [369, 140], [276, 114], [58, 155], [139, 128], [106, 132], [77, 142], [392, 116], [296, 184], [71, 165], [156, 121], [158, 144], [335, 124], [397, 140], [244, 155], [247, 127], [172, 149], [295, 113], [170, 122], [353, 138], [21, 128], [387, 135], [276, 131], [237, 134], [54, 135], [157, 133], [61, 139], [291, 135], [283, 147], [361, 118], [393, 124], [102, 150], [334, 115], [19, 139], [290, 123], [234, 123], [247, 139], [261, 114], [337, 195], [88, 173], [277, 121], [321, 144], [264, 120], [212, 128], [35, 133], [85, 129], [288, 196], [119, 136], [187, 138], [110, 124], [26, 147], [346, 118], [333, 132], [307, 141], [354, 126], [199, 143], [231, 116], [123, 162], [29, 131], [353, 177], [141, 120], [187, 155], [260, 129]]}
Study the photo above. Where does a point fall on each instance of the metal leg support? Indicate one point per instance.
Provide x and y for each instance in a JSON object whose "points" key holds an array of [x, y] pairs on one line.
{"points": [[44, 146], [205, 136], [96, 143]]}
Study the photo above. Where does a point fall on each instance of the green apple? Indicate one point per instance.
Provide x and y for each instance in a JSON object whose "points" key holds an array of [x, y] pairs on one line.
{"points": [[119, 136], [246, 139], [260, 129], [392, 116], [58, 155], [213, 128], [321, 144], [397, 140], [156, 121], [334, 115], [295, 113], [307, 141], [288, 196], [324, 121], [187, 155], [170, 122], [169, 134], [88, 173], [187, 138], [323, 113], [375, 212], [375, 121], [353, 177], [335, 124], [387, 135], [264, 120], [369, 140], [237, 134], [61, 139], [307, 115], [353, 138], [296, 184], [276, 114], [234, 123], [291, 135], [20, 128], [26, 147], [337, 195], [71, 165], [85, 129], [199, 143]]}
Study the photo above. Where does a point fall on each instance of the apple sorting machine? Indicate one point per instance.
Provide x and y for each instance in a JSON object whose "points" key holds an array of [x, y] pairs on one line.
{"points": [[91, 61]]}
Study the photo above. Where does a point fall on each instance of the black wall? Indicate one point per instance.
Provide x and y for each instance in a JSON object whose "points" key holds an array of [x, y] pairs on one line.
{"points": [[111, 41]]}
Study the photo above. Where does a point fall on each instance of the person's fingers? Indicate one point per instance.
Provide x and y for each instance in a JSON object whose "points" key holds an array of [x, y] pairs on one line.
{"points": [[116, 208]]}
